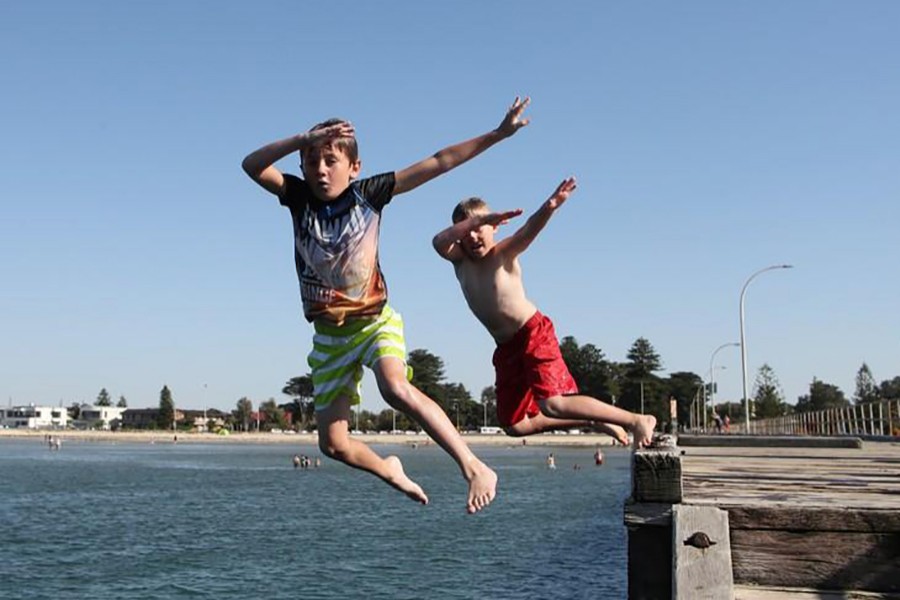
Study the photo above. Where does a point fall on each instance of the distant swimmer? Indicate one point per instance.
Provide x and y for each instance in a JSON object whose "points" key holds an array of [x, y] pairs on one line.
{"points": [[551, 461], [598, 457]]}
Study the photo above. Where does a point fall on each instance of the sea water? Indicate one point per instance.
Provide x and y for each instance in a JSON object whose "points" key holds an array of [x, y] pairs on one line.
{"points": [[102, 520]]}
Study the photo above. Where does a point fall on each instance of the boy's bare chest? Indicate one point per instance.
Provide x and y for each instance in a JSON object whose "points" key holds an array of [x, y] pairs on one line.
{"points": [[489, 281]]}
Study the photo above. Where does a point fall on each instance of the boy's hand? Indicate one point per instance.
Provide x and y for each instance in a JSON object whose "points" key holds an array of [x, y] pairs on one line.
{"points": [[500, 218], [513, 120], [562, 193], [332, 132]]}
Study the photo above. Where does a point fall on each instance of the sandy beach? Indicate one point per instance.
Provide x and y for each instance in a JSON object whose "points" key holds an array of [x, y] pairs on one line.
{"points": [[160, 437]]}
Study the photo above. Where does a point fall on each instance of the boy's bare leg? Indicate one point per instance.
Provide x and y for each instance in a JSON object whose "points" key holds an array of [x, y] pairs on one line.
{"points": [[541, 423], [390, 373], [591, 409], [335, 442]]}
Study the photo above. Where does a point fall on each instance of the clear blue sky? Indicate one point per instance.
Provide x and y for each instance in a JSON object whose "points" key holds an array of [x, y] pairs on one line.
{"points": [[710, 139]]}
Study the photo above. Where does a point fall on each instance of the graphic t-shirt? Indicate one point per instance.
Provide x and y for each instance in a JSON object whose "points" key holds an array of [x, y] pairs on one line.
{"points": [[336, 248]]}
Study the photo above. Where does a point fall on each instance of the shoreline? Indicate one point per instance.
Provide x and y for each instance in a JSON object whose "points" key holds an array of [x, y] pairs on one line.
{"points": [[300, 439]]}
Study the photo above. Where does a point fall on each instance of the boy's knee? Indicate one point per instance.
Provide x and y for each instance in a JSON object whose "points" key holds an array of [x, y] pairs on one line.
{"points": [[396, 391], [513, 431], [332, 447], [551, 407]]}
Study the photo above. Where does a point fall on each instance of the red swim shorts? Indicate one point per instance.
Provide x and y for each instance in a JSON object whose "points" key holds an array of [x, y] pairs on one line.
{"points": [[529, 368]]}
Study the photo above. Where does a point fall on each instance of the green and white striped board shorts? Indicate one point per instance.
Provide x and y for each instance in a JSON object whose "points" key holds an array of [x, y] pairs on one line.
{"points": [[339, 353]]}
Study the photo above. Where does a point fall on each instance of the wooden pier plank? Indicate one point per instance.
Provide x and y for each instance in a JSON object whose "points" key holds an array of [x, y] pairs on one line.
{"points": [[805, 517], [754, 592], [838, 478]]}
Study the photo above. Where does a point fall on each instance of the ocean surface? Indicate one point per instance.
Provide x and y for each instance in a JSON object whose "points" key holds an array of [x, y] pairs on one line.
{"points": [[104, 520]]}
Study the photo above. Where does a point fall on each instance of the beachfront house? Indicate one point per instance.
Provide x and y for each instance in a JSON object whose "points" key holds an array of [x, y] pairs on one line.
{"points": [[145, 418], [99, 417], [203, 421], [34, 417]]}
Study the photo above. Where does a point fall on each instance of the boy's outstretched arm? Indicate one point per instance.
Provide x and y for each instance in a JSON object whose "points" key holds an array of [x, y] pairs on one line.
{"points": [[259, 163], [522, 238], [446, 243], [452, 156]]}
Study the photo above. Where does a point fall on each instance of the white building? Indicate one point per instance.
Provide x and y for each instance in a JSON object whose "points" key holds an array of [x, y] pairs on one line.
{"points": [[99, 417], [34, 417]]}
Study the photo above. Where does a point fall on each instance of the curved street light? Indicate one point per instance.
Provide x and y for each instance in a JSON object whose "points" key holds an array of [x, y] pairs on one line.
{"points": [[744, 343], [712, 375]]}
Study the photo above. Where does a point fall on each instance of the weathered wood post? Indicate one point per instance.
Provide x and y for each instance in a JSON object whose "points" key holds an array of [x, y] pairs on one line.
{"points": [[675, 551], [656, 484]]}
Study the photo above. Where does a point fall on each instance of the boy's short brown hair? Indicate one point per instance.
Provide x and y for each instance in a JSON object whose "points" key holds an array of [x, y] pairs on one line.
{"points": [[347, 145], [468, 207]]}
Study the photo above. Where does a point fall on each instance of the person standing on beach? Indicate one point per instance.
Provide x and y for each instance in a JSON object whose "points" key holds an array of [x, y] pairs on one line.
{"points": [[535, 391], [336, 222]]}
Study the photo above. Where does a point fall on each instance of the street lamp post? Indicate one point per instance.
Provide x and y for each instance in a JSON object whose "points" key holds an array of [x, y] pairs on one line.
{"points": [[712, 376], [744, 343]]}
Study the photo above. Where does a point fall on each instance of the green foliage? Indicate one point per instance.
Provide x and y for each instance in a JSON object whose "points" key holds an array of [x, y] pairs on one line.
{"points": [[122, 403], [768, 399], [299, 387], [243, 413], [166, 417], [683, 386], [643, 360], [303, 407], [866, 388], [103, 398], [465, 412], [821, 396], [272, 416], [589, 368], [890, 389], [428, 376]]}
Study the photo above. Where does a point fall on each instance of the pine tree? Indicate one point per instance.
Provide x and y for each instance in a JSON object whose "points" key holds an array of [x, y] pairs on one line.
{"points": [[166, 417], [103, 398], [768, 398], [866, 388]]}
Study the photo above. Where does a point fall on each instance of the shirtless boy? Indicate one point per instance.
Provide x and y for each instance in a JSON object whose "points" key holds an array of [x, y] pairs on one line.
{"points": [[535, 391]]}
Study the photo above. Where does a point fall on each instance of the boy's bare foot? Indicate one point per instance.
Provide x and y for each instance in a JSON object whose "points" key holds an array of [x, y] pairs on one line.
{"points": [[642, 430], [619, 434], [614, 431], [482, 487], [397, 478]]}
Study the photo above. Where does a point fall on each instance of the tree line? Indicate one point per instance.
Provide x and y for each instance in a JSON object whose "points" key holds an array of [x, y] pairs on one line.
{"points": [[633, 384]]}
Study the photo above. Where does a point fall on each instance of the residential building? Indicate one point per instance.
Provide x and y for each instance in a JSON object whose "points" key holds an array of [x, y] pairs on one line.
{"points": [[34, 417], [99, 417]]}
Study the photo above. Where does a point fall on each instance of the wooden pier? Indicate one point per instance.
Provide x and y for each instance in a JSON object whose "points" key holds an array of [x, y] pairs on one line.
{"points": [[782, 518]]}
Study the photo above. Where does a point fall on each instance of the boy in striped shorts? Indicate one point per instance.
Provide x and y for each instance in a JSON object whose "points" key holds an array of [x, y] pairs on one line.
{"points": [[336, 221]]}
